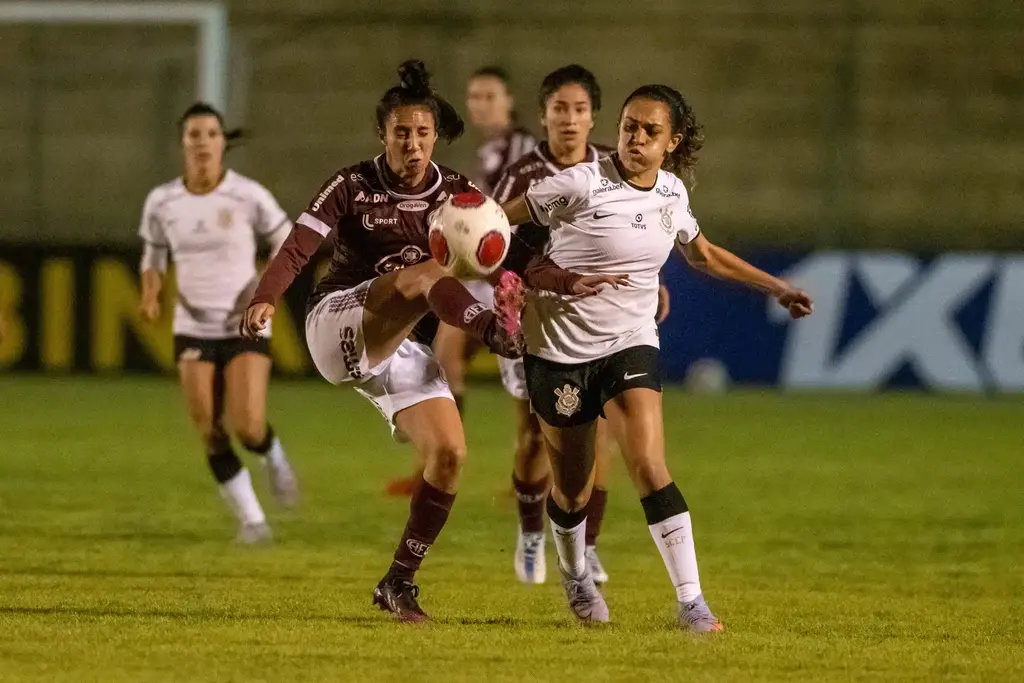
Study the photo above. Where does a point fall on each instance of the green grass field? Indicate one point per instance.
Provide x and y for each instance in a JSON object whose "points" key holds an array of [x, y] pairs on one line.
{"points": [[840, 538]]}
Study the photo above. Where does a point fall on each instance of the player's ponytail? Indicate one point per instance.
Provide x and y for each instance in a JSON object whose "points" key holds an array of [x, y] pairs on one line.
{"points": [[232, 137], [414, 89], [682, 161]]}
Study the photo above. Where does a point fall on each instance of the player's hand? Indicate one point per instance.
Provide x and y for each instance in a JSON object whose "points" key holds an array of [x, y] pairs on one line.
{"points": [[589, 285], [149, 309], [798, 303], [663, 305], [255, 320]]}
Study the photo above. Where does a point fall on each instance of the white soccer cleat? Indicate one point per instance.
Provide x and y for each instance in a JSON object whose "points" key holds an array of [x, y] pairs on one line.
{"points": [[250, 533], [696, 616], [595, 567], [585, 601], [530, 561], [283, 483]]}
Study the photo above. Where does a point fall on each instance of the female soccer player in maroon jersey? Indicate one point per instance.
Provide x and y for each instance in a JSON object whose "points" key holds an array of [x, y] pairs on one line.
{"points": [[599, 355], [381, 285]]}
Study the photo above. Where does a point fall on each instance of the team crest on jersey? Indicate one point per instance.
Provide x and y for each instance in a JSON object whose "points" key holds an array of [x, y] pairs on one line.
{"points": [[224, 218], [666, 219], [568, 403]]}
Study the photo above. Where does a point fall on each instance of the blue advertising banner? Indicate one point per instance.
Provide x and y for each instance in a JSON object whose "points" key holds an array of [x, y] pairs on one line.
{"points": [[881, 319]]}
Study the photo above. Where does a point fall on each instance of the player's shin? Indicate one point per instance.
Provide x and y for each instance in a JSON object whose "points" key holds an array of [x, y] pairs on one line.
{"points": [[236, 486], [668, 519], [569, 531], [428, 512]]}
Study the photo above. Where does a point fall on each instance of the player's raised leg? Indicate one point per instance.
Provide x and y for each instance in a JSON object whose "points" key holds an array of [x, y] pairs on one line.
{"points": [[570, 451], [246, 377], [635, 417], [435, 430], [203, 387]]}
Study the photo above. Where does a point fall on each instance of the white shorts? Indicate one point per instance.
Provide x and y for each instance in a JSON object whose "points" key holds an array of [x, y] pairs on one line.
{"points": [[513, 377], [482, 290], [334, 334]]}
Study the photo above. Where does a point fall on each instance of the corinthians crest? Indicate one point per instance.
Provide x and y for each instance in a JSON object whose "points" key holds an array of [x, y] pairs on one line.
{"points": [[666, 219], [568, 402]]}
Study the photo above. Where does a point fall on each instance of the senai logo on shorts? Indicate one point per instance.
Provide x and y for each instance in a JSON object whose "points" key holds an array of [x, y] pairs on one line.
{"points": [[348, 352], [568, 402]]}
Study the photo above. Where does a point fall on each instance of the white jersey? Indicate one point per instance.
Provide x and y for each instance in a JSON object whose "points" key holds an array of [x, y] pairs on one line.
{"points": [[213, 241], [601, 225]]}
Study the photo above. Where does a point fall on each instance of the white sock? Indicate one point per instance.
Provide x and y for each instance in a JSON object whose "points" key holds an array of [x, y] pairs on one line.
{"points": [[241, 498], [275, 455], [571, 545], [674, 538]]}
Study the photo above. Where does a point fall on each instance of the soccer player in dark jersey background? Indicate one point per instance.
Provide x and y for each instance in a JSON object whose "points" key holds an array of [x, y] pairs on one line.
{"points": [[568, 100], [380, 287]]}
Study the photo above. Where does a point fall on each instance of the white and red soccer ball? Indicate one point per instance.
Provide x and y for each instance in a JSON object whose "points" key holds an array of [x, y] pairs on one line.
{"points": [[469, 235]]}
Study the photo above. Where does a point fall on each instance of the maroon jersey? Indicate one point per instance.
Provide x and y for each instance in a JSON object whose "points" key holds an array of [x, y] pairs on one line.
{"points": [[374, 228], [494, 156], [530, 239]]}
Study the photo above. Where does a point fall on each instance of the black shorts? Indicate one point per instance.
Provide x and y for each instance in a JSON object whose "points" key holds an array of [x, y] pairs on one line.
{"points": [[567, 395], [220, 352]]}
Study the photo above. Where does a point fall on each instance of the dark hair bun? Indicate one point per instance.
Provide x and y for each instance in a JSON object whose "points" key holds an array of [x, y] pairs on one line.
{"points": [[413, 76]]}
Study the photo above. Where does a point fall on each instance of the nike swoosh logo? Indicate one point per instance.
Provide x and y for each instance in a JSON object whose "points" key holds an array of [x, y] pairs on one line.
{"points": [[598, 215], [628, 376], [669, 533]]}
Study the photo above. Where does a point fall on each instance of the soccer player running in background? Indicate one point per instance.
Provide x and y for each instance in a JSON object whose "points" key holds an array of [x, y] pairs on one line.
{"points": [[380, 291], [569, 98], [209, 221], [599, 354], [492, 113]]}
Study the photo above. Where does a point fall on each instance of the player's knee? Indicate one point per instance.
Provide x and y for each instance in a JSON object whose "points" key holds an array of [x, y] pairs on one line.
{"points": [[446, 459], [529, 446], [203, 421], [651, 473], [415, 281], [251, 431]]}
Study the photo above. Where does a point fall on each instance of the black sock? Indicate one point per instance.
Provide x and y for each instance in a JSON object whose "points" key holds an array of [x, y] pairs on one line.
{"points": [[263, 447], [566, 520], [224, 465], [664, 503]]}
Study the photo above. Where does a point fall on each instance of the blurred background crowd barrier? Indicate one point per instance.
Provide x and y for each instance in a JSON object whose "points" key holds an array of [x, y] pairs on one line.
{"points": [[873, 150]]}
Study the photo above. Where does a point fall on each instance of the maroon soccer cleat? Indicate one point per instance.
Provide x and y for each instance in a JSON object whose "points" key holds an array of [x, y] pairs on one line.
{"points": [[398, 596]]}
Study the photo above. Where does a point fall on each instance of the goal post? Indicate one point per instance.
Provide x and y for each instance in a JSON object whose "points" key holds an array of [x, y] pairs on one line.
{"points": [[209, 18]]}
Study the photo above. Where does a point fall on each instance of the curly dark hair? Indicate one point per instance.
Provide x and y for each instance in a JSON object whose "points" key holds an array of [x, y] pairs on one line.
{"points": [[414, 88], [683, 160]]}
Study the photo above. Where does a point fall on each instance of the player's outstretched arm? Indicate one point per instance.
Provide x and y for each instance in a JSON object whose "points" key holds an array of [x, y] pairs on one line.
{"points": [[293, 255], [723, 264], [517, 211]]}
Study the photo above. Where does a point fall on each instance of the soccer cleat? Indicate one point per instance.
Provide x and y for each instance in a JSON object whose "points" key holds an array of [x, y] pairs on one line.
{"points": [[506, 336], [595, 567], [585, 601], [697, 616], [283, 483], [253, 533], [530, 562], [398, 596]]}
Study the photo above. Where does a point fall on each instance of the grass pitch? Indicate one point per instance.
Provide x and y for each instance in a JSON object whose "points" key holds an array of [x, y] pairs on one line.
{"points": [[840, 538]]}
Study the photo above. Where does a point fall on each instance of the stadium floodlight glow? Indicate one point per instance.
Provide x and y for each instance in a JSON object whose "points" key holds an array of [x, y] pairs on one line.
{"points": [[210, 18]]}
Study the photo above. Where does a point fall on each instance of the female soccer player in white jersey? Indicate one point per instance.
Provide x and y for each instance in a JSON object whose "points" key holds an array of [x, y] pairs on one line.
{"points": [[569, 98], [364, 316], [210, 221], [599, 355]]}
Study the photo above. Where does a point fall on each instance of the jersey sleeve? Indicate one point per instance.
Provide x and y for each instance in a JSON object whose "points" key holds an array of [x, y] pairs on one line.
{"points": [[510, 186], [150, 229], [270, 217], [312, 227], [559, 195], [685, 222]]}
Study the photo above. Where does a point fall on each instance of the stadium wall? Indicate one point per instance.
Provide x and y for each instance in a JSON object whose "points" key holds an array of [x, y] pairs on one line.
{"points": [[951, 322]]}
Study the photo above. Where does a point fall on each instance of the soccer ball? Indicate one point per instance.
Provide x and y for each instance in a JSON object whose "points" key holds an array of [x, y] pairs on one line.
{"points": [[469, 235]]}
